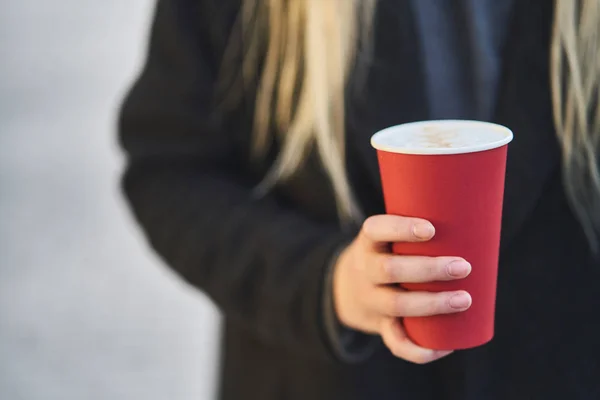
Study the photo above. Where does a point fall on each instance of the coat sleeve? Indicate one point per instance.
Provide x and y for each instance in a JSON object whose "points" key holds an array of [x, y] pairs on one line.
{"points": [[260, 260]]}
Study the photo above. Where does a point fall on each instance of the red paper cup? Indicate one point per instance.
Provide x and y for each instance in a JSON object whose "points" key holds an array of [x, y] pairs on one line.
{"points": [[451, 173]]}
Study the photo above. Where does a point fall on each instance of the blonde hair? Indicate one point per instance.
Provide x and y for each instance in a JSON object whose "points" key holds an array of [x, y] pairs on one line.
{"points": [[575, 82], [311, 46]]}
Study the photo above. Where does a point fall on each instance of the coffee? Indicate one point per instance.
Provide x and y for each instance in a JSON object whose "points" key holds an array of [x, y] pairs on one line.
{"points": [[452, 174], [441, 137]]}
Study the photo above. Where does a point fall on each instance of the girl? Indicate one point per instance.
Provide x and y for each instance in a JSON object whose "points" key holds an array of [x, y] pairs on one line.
{"points": [[250, 171]]}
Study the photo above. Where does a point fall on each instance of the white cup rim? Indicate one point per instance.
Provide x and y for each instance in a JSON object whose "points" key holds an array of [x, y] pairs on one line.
{"points": [[505, 136]]}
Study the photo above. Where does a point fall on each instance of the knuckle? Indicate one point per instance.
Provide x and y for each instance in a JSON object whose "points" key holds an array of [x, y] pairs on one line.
{"points": [[396, 306], [370, 226], [433, 305], [442, 269], [357, 265], [398, 229], [430, 269], [357, 268], [387, 266]]}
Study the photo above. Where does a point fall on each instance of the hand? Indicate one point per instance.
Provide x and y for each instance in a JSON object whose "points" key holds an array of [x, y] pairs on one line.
{"points": [[366, 298]]}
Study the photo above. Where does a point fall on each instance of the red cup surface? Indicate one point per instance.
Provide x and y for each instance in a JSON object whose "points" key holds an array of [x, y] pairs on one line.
{"points": [[460, 190]]}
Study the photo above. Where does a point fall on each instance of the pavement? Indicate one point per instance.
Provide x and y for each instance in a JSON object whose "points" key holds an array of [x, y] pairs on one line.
{"points": [[87, 310]]}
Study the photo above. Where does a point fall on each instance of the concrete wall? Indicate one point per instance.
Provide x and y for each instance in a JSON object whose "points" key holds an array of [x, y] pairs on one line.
{"points": [[86, 310]]}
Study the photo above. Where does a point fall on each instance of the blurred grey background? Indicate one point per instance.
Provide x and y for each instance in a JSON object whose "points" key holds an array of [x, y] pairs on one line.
{"points": [[86, 310]]}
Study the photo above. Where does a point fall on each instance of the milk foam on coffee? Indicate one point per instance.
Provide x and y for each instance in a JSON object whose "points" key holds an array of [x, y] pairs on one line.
{"points": [[441, 137]]}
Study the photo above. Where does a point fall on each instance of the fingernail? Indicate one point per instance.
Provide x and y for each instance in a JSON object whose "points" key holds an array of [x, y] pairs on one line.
{"points": [[459, 268], [460, 301], [423, 230]]}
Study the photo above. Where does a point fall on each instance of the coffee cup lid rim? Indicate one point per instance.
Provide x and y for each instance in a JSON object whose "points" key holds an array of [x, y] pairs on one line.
{"points": [[505, 138]]}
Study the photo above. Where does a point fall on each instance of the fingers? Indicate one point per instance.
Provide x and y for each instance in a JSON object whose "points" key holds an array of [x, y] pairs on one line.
{"points": [[389, 303], [389, 268], [401, 346], [394, 302], [392, 228]]}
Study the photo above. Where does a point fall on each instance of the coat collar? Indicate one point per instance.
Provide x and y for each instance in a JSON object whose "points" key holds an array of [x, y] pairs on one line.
{"points": [[397, 84]]}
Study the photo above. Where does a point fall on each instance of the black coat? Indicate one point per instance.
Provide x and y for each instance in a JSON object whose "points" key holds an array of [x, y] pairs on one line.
{"points": [[189, 181]]}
